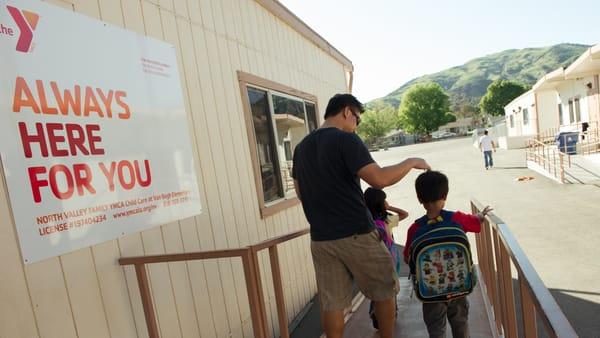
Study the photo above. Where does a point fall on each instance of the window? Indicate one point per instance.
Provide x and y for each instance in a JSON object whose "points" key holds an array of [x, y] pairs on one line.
{"points": [[577, 110], [512, 121], [571, 112], [277, 119], [525, 116], [560, 114]]}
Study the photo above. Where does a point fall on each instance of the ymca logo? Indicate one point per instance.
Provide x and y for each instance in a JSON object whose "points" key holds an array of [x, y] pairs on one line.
{"points": [[27, 22]]}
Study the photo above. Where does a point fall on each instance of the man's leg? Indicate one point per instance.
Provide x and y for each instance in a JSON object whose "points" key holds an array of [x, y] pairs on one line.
{"points": [[372, 266], [334, 284], [491, 160], [486, 155], [333, 323], [385, 311], [485, 160]]}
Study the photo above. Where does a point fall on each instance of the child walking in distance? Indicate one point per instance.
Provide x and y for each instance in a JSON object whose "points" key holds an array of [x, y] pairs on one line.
{"points": [[385, 221], [439, 256]]}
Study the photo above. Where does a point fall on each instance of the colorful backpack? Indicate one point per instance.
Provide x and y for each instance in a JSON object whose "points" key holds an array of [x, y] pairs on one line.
{"points": [[440, 260]]}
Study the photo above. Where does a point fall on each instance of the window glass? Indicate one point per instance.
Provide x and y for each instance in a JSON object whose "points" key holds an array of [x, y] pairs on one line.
{"points": [[288, 150], [571, 112], [265, 144], [512, 121], [525, 116], [560, 114], [292, 126], [311, 116], [577, 111]]}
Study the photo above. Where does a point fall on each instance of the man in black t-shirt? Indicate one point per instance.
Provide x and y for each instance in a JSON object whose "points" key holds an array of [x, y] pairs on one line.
{"points": [[328, 166]]}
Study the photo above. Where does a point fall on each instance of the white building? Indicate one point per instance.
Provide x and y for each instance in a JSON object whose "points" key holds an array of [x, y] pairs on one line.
{"points": [[566, 99]]}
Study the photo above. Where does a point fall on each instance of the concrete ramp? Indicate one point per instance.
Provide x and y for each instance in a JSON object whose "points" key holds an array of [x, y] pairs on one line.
{"points": [[584, 170], [410, 319]]}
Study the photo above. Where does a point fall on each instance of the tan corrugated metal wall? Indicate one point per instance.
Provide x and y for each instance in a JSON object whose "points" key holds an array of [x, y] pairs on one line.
{"points": [[86, 293]]}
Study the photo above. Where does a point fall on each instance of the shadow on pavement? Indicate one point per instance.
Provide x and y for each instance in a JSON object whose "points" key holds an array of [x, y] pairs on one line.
{"points": [[495, 167]]}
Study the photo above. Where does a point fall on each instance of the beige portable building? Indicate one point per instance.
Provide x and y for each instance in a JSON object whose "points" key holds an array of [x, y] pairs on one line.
{"points": [[256, 79]]}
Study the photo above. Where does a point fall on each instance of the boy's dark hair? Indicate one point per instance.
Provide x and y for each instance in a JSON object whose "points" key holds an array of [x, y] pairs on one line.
{"points": [[431, 186], [375, 200], [341, 101], [485, 132]]}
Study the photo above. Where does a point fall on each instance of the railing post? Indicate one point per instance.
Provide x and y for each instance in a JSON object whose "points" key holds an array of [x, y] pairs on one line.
{"points": [[146, 295], [527, 309], [562, 169], [255, 295], [501, 289], [279, 297], [509, 295], [491, 281]]}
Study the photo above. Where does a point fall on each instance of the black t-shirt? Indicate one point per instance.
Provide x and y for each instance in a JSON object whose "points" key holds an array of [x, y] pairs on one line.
{"points": [[325, 166]]}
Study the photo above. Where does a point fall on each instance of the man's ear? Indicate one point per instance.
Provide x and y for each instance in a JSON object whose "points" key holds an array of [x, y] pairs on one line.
{"points": [[347, 112]]}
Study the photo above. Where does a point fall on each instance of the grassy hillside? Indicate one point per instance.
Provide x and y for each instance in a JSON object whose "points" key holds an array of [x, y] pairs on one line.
{"points": [[468, 83]]}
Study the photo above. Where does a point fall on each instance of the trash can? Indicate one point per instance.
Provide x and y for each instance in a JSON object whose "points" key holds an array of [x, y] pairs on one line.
{"points": [[567, 142]]}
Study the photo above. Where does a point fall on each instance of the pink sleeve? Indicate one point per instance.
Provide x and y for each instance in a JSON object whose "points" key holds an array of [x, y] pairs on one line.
{"points": [[409, 237], [469, 222]]}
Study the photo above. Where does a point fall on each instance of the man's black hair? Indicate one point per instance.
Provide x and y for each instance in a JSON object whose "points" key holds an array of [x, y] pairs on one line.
{"points": [[485, 132], [431, 186], [341, 101]]}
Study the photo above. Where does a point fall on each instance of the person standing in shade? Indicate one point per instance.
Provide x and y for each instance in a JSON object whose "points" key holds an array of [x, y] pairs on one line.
{"points": [[486, 144], [345, 246]]}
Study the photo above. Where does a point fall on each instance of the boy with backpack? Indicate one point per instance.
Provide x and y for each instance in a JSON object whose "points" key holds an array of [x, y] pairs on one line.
{"points": [[439, 256]]}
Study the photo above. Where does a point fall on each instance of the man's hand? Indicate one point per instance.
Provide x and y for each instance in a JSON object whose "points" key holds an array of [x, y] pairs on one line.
{"points": [[421, 164]]}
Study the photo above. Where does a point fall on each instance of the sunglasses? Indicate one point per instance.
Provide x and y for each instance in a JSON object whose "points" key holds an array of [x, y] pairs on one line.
{"points": [[356, 115]]}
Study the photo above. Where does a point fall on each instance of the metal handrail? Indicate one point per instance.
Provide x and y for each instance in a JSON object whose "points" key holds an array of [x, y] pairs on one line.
{"points": [[547, 157], [250, 263], [496, 249]]}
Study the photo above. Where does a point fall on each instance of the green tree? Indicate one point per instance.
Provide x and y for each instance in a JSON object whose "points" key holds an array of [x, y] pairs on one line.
{"points": [[466, 109], [424, 108], [376, 122], [499, 94]]}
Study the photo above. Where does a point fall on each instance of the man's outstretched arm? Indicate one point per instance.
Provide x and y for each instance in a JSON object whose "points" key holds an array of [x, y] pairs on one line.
{"points": [[380, 178]]}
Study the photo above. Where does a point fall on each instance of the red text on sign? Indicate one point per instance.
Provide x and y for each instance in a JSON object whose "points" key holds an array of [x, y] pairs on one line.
{"points": [[51, 138], [74, 179], [77, 101], [128, 174]]}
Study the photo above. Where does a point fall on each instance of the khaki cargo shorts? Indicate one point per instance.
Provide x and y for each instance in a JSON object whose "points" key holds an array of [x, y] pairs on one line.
{"points": [[363, 258]]}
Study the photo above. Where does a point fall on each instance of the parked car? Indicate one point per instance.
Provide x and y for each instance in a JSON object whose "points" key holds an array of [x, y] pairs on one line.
{"points": [[442, 134], [448, 134]]}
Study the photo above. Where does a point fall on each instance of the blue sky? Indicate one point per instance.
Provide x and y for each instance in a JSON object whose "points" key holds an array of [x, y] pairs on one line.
{"points": [[391, 42]]}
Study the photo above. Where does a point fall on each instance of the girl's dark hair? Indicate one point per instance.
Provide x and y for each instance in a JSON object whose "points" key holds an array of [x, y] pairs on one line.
{"points": [[375, 200]]}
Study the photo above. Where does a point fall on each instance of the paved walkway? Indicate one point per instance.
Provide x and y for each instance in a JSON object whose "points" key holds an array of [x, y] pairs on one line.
{"points": [[558, 226]]}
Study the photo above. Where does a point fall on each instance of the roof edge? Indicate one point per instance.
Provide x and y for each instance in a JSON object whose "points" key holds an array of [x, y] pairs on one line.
{"points": [[529, 92], [287, 16], [553, 76]]}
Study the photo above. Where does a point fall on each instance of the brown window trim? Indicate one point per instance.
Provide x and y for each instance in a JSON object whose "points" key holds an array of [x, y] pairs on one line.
{"points": [[245, 79]]}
